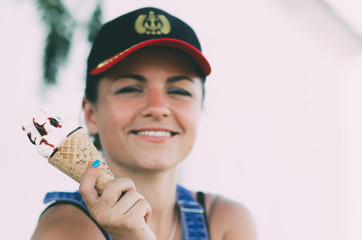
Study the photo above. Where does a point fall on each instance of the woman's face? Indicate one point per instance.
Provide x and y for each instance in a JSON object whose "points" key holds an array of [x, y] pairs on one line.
{"points": [[147, 109]]}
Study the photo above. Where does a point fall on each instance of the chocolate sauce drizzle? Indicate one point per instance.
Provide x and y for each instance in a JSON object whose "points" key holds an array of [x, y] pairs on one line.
{"points": [[40, 128], [54, 122], [55, 150], [31, 140], [42, 131], [73, 131], [45, 142]]}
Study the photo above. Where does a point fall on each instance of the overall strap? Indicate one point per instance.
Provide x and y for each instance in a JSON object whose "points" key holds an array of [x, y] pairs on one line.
{"points": [[73, 197], [192, 216]]}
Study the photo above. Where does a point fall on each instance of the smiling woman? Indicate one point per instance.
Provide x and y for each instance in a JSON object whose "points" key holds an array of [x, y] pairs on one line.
{"points": [[143, 100], [152, 96]]}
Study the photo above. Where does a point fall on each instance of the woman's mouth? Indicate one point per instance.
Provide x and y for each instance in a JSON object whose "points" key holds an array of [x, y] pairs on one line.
{"points": [[154, 135]]}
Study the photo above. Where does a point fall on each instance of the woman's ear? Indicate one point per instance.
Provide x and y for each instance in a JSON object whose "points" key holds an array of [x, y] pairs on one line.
{"points": [[89, 110]]}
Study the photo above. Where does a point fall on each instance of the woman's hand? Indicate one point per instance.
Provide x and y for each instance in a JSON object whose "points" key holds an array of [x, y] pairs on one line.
{"points": [[121, 210]]}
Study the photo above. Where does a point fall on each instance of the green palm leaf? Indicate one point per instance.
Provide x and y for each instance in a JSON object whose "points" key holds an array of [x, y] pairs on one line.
{"points": [[60, 28]]}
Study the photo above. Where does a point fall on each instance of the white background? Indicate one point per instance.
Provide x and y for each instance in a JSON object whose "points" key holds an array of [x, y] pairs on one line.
{"points": [[280, 133]]}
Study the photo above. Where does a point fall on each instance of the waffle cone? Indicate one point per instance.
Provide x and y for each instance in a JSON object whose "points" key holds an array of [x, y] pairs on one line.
{"points": [[74, 155]]}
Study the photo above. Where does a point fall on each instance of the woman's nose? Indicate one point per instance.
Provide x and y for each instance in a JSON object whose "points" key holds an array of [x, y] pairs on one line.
{"points": [[156, 106]]}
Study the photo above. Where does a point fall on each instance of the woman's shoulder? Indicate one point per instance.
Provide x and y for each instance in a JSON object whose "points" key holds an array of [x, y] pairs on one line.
{"points": [[65, 221], [228, 220]]}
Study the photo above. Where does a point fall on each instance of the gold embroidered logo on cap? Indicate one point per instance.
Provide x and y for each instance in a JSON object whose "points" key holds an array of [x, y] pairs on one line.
{"points": [[151, 23]]}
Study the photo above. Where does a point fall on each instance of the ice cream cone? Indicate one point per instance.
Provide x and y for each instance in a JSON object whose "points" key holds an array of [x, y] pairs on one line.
{"points": [[74, 155]]}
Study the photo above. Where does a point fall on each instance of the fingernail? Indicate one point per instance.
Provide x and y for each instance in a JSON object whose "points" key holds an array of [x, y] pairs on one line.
{"points": [[96, 163]]}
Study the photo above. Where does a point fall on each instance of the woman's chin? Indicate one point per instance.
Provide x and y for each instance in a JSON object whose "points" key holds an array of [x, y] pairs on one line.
{"points": [[156, 166]]}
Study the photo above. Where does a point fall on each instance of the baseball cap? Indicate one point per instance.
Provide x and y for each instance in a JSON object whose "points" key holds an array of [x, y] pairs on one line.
{"points": [[141, 28]]}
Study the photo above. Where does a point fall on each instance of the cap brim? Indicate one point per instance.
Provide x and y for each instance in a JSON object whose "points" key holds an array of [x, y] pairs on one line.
{"points": [[161, 42]]}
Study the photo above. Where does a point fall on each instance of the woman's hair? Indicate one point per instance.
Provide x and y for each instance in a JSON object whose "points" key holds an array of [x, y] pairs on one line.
{"points": [[91, 87]]}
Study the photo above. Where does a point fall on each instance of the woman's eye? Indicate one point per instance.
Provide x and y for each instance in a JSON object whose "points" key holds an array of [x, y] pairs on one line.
{"points": [[129, 89], [179, 91]]}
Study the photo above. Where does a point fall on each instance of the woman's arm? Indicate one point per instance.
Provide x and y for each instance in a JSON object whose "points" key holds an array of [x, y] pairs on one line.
{"points": [[229, 220], [64, 221]]}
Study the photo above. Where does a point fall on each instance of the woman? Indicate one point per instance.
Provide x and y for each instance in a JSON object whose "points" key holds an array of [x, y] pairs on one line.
{"points": [[144, 95]]}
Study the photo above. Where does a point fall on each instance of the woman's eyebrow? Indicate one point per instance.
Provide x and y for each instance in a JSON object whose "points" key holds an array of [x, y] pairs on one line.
{"points": [[178, 78], [133, 76]]}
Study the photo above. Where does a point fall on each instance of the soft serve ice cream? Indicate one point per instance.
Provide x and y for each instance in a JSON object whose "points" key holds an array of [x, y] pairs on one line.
{"points": [[67, 147], [46, 132]]}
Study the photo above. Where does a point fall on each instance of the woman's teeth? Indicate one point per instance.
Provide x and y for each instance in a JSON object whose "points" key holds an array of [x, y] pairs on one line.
{"points": [[154, 133]]}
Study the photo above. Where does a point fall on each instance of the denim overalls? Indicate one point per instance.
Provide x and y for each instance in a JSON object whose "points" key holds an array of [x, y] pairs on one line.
{"points": [[191, 212]]}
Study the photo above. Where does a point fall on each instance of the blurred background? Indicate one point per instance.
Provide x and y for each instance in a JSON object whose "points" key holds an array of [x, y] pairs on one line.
{"points": [[281, 130]]}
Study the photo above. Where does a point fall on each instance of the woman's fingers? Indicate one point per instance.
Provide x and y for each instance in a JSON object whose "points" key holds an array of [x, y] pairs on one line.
{"points": [[128, 201], [114, 190], [140, 210], [87, 185]]}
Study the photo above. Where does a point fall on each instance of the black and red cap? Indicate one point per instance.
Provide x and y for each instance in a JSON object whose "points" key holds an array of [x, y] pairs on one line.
{"points": [[143, 28]]}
